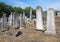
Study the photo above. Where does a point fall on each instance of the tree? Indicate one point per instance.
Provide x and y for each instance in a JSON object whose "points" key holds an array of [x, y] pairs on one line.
{"points": [[4, 8], [18, 10], [27, 11]]}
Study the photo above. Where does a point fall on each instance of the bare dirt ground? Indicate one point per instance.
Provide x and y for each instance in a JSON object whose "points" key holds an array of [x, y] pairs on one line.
{"points": [[29, 34]]}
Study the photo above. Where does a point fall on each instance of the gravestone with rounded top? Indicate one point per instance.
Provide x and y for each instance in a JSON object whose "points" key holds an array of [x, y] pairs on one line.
{"points": [[50, 22], [39, 19]]}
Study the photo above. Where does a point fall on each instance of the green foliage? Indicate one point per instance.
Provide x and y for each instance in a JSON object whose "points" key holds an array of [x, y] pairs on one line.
{"points": [[7, 9], [27, 11], [18, 10], [4, 8]]}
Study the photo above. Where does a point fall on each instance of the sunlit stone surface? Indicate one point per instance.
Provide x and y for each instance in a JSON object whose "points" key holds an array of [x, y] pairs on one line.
{"points": [[39, 20], [50, 22]]}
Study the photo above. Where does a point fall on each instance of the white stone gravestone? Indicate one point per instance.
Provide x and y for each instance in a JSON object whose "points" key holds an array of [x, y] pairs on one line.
{"points": [[4, 22], [50, 22], [21, 21], [15, 21], [24, 15], [10, 19], [39, 19], [30, 15]]}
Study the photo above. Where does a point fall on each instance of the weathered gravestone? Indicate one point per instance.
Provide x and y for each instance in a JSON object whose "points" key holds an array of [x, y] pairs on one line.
{"points": [[10, 19], [30, 15], [4, 22], [50, 22], [15, 20], [21, 21], [0, 22], [39, 20], [23, 15]]}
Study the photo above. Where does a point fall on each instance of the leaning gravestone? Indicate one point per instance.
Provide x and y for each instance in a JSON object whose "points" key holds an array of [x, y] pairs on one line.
{"points": [[4, 22], [39, 20], [50, 22]]}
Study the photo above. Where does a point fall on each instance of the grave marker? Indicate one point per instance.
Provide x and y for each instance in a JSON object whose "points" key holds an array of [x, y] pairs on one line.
{"points": [[39, 20], [4, 22], [50, 22]]}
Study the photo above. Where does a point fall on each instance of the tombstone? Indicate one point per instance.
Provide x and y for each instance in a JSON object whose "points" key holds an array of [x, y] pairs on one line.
{"points": [[10, 19], [24, 21], [21, 21], [50, 22], [30, 15], [58, 14], [0, 22], [39, 19], [15, 21], [24, 15], [4, 22]]}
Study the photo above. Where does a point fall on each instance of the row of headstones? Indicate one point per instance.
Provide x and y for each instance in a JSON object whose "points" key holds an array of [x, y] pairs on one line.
{"points": [[16, 20], [51, 29]]}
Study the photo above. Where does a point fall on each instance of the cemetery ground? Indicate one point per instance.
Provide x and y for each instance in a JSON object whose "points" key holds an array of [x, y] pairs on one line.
{"points": [[29, 34]]}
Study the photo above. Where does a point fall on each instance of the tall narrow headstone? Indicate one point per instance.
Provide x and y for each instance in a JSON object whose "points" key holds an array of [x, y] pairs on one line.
{"points": [[15, 21], [4, 22], [24, 15], [39, 19], [24, 23], [50, 22], [0, 22], [10, 19], [21, 21], [30, 14]]}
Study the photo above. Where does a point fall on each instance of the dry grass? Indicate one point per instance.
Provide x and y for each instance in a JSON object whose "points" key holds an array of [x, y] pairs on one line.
{"points": [[30, 34]]}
